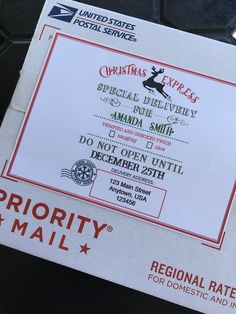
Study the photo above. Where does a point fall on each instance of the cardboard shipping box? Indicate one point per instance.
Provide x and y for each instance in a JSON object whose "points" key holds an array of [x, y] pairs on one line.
{"points": [[118, 155]]}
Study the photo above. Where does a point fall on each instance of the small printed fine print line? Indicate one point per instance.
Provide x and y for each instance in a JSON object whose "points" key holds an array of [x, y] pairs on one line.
{"points": [[143, 150]]}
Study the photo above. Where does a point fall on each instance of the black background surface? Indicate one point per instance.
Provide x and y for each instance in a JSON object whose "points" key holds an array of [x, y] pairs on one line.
{"points": [[32, 285]]}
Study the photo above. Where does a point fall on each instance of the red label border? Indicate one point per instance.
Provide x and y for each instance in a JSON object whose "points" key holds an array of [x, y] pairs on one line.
{"points": [[10, 175]]}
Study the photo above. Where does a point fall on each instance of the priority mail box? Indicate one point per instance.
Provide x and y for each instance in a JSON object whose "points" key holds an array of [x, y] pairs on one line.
{"points": [[118, 155]]}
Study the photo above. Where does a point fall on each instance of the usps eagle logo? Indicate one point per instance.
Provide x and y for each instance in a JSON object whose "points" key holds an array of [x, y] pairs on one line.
{"points": [[63, 12]]}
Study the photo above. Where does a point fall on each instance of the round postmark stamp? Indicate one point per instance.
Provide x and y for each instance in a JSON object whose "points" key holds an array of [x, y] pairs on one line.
{"points": [[83, 172]]}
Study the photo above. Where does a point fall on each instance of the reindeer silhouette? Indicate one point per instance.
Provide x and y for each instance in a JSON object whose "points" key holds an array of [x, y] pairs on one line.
{"points": [[155, 85]]}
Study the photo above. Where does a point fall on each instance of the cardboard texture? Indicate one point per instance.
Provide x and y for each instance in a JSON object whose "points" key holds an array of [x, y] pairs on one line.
{"points": [[117, 155]]}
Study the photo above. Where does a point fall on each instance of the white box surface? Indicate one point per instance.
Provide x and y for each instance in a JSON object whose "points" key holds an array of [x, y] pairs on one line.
{"points": [[118, 152]]}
